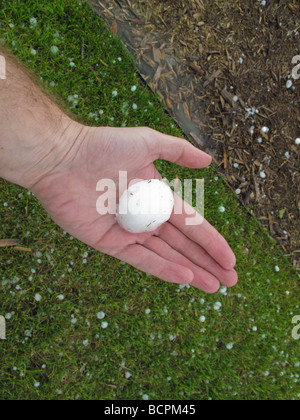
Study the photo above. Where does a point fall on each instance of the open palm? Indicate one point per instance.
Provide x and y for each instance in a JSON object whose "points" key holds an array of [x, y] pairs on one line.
{"points": [[197, 255]]}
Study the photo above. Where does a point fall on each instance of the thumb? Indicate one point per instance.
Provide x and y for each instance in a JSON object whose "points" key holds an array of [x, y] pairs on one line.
{"points": [[181, 152]]}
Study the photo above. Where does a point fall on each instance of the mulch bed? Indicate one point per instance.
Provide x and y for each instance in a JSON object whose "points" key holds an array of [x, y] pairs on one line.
{"points": [[224, 71]]}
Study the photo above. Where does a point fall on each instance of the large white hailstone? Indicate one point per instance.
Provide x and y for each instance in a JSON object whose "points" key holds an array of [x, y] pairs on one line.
{"points": [[145, 206]]}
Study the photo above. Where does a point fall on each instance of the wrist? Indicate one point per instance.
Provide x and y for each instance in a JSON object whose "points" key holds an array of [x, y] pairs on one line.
{"points": [[30, 154], [35, 134]]}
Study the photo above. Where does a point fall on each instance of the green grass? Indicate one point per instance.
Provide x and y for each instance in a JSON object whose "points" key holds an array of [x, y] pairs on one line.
{"points": [[60, 344]]}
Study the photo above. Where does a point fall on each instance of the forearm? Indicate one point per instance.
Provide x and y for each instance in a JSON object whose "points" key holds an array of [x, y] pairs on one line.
{"points": [[35, 134]]}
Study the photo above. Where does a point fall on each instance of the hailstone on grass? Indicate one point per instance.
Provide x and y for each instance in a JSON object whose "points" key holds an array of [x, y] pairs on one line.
{"points": [[145, 206]]}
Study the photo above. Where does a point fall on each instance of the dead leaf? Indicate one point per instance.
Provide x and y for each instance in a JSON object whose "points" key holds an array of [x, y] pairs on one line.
{"points": [[8, 242], [21, 249], [114, 28]]}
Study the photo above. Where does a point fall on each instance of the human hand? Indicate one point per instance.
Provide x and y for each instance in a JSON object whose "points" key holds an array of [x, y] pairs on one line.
{"points": [[61, 161], [195, 255]]}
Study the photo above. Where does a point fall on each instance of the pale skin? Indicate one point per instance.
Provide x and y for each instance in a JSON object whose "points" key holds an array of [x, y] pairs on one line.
{"points": [[61, 162]]}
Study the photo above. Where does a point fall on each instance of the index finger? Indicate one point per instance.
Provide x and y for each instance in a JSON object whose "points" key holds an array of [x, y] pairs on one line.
{"points": [[202, 233]]}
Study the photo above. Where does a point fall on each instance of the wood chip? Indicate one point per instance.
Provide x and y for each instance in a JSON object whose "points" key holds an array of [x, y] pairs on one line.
{"points": [[210, 79], [196, 68], [157, 75], [228, 97], [197, 140], [156, 54]]}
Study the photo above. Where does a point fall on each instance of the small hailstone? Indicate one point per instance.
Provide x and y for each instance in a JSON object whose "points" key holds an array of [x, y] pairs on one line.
{"points": [[259, 140], [230, 346], [222, 209], [38, 297], [134, 107], [114, 93], [217, 306], [54, 49], [262, 174], [265, 130], [202, 319], [33, 51], [223, 290], [254, 329], [147, 311], [60, 297], [238, 191], [297, 141], [287, 155], [85, 343], [128, 375], [133, 89], [251, 130], [33, 22], [104, 324], [145, 397], [100, 315], [236, 165], [36, 384], [277, 268], [289, 84]]}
